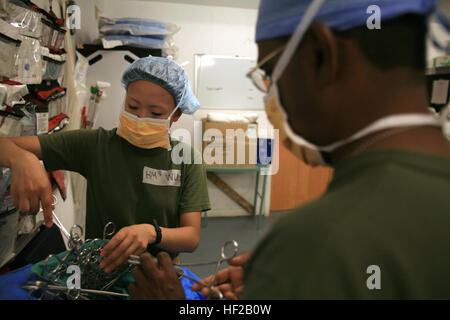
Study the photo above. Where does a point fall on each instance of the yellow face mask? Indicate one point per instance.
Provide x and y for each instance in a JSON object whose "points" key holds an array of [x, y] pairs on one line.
{"points": [[145, 133], [277, 118]]}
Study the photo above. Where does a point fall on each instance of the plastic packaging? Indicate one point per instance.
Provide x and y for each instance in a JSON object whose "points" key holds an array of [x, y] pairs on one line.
{"points": [[10, 125], [26, 224], [28, 121], [5, 181], [136, 27], [29, 61], [8, 234], [52, 64], [81, 69], [52, 68], [42, 121], [57, 123], [9, 49], [52, 36], [26, 20], [9, 30], [7, 203], [135, 41], [12, 92]]}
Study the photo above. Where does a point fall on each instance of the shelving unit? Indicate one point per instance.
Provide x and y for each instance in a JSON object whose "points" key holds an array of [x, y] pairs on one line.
{"points": [[259, 170], [87, 49]]}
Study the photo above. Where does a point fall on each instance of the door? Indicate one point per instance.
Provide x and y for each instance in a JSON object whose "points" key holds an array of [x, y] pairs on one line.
{"points": [[296, 183]]}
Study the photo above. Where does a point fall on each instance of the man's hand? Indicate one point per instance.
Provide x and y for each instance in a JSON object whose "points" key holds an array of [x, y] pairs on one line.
{"points": [[30, 186], [129, 240], [229, 281], [156, 281]]}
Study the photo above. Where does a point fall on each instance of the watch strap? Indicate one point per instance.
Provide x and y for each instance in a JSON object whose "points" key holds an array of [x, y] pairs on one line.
{"points": [[158, 232]]}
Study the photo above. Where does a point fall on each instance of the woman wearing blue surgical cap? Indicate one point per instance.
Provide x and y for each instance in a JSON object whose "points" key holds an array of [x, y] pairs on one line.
{"points": [[132, 180], [345, 87]]}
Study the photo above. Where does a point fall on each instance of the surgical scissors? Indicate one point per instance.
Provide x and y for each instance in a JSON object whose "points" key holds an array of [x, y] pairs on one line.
{"points": [[223, 256], [56, 219]]}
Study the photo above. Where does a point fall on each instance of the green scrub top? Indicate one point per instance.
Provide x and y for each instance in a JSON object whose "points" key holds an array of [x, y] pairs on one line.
{"points": [[381, 231], [125, 184]]}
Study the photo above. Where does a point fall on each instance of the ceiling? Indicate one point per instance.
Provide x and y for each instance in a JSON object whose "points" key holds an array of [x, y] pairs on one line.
{"points": [[246, 4]]}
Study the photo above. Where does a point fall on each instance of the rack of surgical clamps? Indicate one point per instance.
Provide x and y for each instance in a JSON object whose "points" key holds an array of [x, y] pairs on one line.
{"points": [[75, 274]]}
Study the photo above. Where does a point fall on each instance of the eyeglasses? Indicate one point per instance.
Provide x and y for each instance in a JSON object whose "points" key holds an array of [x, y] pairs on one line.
{"points": [[258, 76]]}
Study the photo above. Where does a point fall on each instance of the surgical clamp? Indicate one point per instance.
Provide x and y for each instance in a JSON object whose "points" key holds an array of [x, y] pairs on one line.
{"points": [[133, 259], [35, 285], [57, 221]]}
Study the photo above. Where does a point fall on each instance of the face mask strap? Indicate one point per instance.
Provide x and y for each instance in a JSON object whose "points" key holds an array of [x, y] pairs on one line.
{"points": [[168, 120], [296, 38], [389, 122], [168, 125], [172, 113], [178, 105], [170, 117]]}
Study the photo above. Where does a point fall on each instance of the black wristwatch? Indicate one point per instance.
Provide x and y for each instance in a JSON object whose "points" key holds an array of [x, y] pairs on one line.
{"points": [[158, 232]]}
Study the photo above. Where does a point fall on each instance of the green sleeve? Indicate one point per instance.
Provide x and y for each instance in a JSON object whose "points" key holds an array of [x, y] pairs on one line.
{"points": [[69, 150], [194, 193]]}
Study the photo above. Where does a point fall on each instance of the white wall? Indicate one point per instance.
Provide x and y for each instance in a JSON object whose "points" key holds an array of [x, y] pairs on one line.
{"points": [[204, 30]]}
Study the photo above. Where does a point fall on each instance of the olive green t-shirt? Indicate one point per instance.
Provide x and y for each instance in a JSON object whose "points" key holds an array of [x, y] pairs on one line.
{"points": [[125, 184], [381, 231]]}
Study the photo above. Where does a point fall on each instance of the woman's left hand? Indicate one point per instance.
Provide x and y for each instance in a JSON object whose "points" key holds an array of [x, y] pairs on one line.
{"points": [[129, 240]]}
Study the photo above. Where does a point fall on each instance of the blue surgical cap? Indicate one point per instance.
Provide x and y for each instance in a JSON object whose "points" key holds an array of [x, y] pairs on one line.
{"points": [[167, 74], [277, 18]]}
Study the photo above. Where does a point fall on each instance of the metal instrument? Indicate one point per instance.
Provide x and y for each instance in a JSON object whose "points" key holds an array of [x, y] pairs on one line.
{"points": [[73, 293], [94, 281], [56, 219], [85, 255], [224, 256]]}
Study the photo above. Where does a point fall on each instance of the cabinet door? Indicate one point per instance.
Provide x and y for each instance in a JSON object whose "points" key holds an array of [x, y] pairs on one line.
{"points": [[296, 183]]}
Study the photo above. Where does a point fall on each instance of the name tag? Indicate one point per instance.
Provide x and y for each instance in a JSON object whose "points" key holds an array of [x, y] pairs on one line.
{"points": [[162, 177]]}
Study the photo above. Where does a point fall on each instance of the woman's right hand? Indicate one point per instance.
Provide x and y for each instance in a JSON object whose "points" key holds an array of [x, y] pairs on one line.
{"points": [[31, 186], [230, 281]]}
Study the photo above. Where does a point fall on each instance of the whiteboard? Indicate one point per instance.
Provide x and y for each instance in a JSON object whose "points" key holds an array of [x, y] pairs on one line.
{"points": [[221, 83]]}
